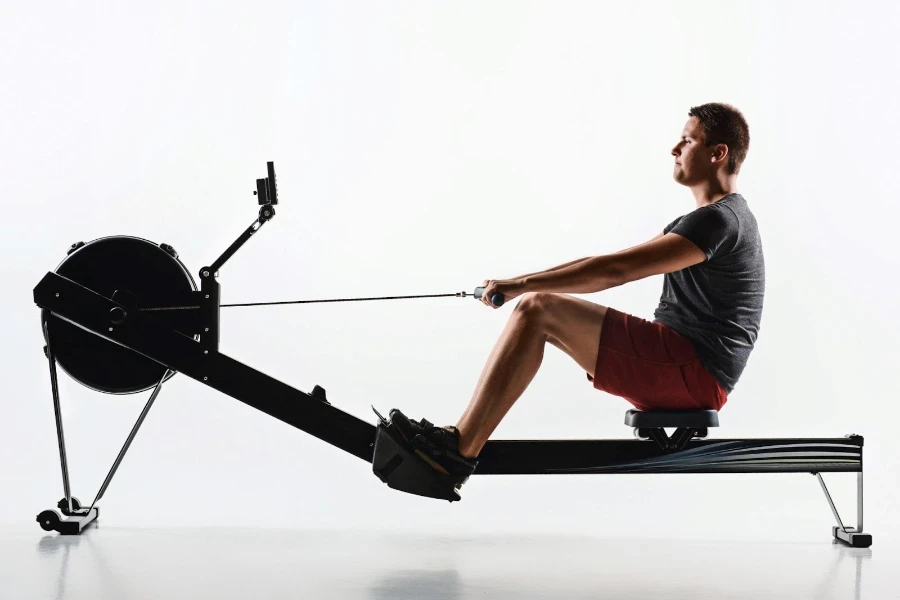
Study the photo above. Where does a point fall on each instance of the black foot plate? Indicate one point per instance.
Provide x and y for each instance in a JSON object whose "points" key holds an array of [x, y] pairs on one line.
{"points": [[397, 464]]}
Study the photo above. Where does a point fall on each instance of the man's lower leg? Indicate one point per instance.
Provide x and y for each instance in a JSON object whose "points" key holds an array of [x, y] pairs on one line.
{"points": [[514, 361]]}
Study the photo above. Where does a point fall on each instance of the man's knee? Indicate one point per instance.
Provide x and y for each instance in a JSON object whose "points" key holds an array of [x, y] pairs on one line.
{"points": [[534, 304], [538, 308], [561, 316]]}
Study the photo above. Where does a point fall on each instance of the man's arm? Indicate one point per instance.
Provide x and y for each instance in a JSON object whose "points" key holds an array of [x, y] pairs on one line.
{"points": [[552, 269], [663, 254], [639, 245], [576, 261]]}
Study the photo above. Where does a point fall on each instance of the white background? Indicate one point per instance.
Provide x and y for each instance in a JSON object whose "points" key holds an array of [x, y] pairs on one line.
{"points": [[423, 147]]}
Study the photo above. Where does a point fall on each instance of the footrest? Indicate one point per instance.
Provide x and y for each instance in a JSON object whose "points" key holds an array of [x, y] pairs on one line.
{"points": [[397, 465], [672, 418]]}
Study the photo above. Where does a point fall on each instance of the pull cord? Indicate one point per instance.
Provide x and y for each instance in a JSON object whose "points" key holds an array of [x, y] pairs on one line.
{"points": [[456, 295]]}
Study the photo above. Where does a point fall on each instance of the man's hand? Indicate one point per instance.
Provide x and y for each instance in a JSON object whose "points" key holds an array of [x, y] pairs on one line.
{"points": [[510, 288]]}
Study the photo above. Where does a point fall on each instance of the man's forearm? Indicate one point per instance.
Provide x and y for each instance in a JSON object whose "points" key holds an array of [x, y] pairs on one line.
{"points": [[584, 276], [552, 269]]}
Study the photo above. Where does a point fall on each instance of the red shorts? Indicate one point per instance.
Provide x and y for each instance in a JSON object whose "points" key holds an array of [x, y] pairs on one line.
{"points": [[652, 366]]}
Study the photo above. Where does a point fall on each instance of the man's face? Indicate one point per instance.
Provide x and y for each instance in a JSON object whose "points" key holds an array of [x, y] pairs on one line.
{"points": [[692, 159]]}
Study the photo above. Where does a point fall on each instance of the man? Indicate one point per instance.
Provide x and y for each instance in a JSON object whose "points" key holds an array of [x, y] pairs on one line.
{"points": [[706, 324]]}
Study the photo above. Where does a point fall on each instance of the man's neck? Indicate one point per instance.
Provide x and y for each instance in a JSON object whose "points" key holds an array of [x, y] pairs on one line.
{"points": [[713, 191]]}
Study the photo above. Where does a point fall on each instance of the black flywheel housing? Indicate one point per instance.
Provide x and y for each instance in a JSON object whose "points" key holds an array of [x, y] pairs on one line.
{"points": [[150, 272]]}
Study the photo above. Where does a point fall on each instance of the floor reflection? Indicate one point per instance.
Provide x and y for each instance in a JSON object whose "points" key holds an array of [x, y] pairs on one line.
{"points": [[126, 564], [415, 585]]}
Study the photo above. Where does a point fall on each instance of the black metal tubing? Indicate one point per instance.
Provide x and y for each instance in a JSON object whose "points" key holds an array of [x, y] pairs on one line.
{"points": [[209, 310], [572, 457], [144, 333], [235, 246], [57, 412]]}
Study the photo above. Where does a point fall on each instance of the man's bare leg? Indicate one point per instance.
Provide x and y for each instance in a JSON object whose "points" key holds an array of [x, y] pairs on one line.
{"points": [[571, 324]]}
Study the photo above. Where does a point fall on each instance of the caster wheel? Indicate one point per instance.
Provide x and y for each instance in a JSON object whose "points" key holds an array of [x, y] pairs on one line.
{"points": [[63, 505], [640, 435], [49, 520]]}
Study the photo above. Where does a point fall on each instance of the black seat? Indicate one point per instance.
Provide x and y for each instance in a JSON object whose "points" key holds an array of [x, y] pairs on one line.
{"points": [[672, 418]]}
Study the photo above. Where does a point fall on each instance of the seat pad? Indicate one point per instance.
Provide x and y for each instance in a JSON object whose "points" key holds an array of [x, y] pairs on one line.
{"points": [[672, 418]]}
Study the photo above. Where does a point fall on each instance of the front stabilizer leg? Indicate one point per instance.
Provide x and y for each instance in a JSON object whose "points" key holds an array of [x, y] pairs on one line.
{"points": [[401, 468]]}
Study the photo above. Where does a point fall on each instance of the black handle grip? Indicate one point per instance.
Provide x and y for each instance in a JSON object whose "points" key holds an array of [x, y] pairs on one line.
{"points": [[496, 299]]}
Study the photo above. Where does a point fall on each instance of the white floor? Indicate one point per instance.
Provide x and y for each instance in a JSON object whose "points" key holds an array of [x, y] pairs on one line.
{"points": [[124, 564]]}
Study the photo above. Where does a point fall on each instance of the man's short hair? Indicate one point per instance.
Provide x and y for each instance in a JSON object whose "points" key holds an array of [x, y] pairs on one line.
{"points": [[724, 124]]}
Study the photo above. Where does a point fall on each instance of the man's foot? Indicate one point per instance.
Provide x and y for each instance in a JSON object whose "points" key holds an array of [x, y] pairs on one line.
{"points": [[438, 446]]}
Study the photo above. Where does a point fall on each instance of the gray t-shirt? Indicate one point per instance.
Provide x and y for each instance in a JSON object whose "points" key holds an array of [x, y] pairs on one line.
{"points": [[717, 304]]}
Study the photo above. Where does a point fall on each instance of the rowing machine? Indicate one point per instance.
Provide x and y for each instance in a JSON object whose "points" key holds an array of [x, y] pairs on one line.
{"points": [[122, 315]]}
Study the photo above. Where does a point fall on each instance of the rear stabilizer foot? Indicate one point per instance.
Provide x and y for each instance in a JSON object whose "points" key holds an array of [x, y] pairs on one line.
{"points": [[851, 537]]}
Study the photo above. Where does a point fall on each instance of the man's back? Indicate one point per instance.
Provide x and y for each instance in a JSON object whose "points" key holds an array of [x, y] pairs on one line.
{"points": [[717, 304]]}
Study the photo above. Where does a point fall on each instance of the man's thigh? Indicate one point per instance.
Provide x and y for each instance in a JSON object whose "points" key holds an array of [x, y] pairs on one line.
{"points": [[574, 326]]}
